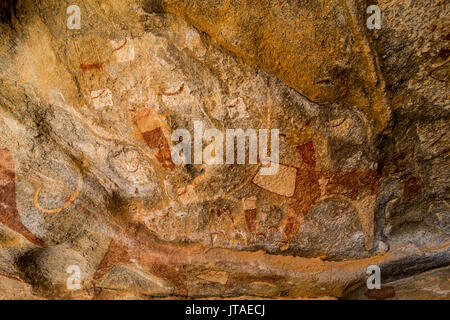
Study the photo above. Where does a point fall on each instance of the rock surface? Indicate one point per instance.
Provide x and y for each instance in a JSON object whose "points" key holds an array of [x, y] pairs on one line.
{"points": [[87, 177], [431, 285]]}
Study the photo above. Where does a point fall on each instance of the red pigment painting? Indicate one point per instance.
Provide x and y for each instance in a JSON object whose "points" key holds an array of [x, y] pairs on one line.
{"points": [[9, 215]]}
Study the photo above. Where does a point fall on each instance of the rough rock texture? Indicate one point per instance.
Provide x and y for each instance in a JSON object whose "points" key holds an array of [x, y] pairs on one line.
{"points": [[87, 178], [430, 285]]}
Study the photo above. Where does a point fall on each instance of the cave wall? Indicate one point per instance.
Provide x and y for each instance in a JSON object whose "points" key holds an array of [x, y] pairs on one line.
{"points": [[87, 177]]}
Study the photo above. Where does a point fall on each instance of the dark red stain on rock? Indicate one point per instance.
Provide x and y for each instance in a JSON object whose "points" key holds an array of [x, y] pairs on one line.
{"points": [[116, 254], [121, 46], [225, 211], [133, 242], [179, 91], [10, 277], [385, 292], [350, 183], [292, 226], [308, 191], [307, 153], [91, 66], [307, 187], [155, 139], [217, 234], [231, 106], [9, 215], [411, 187], [261, 234], [175, 273], [99, 95], [250, 219], [297, 209]]}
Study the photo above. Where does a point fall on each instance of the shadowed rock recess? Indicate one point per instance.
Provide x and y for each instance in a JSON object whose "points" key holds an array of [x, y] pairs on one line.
{"points": [[93, 206]]}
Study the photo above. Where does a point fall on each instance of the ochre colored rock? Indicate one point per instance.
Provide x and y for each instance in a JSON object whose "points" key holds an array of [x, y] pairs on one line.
{"points": [[93, 205]]}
